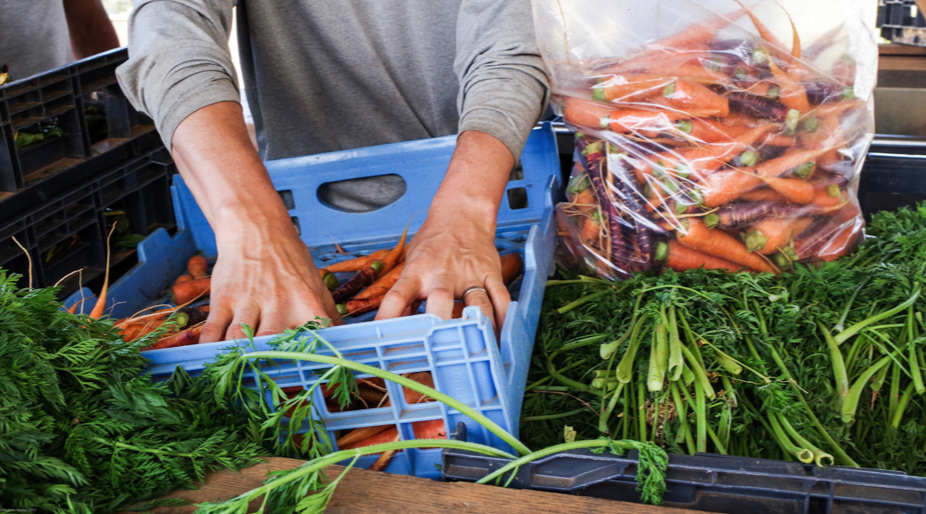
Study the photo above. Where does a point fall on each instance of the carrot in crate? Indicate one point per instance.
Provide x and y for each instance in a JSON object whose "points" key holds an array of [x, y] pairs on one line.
{"points": [[356, 264], [358, 435], [186, 292], [362, 279], [187, 337], [197, 267]]}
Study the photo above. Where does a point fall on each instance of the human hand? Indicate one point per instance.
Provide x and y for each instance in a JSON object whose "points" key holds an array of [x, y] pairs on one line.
{"points": [[451, 253], [264, 278]]}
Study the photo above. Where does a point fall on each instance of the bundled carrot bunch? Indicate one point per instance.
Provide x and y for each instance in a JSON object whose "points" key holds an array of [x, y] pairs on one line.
{"points": [[716, 149]]}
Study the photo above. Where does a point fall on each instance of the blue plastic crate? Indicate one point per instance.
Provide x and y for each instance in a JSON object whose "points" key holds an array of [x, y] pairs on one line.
{"points": [[462, 355]]}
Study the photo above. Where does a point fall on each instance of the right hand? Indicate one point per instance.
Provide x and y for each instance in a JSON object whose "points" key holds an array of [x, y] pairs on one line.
{"points": [[265, 278]]}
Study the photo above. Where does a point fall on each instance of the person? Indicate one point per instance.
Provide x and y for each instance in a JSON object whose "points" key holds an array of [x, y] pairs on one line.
{"points": [[39, 35], [325, 76]]}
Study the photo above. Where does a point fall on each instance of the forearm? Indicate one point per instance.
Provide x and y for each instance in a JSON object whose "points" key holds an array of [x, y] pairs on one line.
{"points": [[90, 28], [475, 181], [215, 156]]}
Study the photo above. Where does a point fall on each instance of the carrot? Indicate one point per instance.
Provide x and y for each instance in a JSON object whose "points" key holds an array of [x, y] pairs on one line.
{"points": [[828, 196], [779, 140], [387, 435], [383, 460], [719, 244], [725, 186], [382, 284], [396, 255], [791, 93], [357, 307], [198, 267], [585, 113], [585, 197], [763, 194], [511, 266], [767, 35], [738, 119], [788, 161], [422, 377], [837, 108], [710, 131], [680, 258], [183, 278], [842, 243], [356, 264], [794, 189], [133, 332], [189, 291], [650, 123], [359, 434], [100, 304], [432, 429], [73, 308], [362, 279], [688, 94], [187, 337], [768, 236], [699, 33], [630, 87], [591, 230], [827, 134], [153, 316]]}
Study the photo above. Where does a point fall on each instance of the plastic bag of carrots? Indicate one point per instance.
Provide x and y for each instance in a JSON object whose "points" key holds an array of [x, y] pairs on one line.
{"points": [[711, 133]]}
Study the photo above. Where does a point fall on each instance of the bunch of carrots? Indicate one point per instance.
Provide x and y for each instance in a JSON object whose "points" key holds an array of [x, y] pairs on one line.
{"points": [[705, 150]]}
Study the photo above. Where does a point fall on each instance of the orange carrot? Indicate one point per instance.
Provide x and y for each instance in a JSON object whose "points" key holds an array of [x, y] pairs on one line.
{"points": [[779, 140], [388, 435], [630, 87], [100, 305], [183, 278], [711, 157], [790, 160], [73, 308], [710, 131], [680, 258], [395, 256], [382, 284], [383, 460], [699, 33], [828, 196], [355, 264], [791, 93], [794, 189], [768, 236], [134, 331], [433, 429], [841, 243], [584, 197], [422, 377], [185, 338], [837, 108], [688, 94], [585, 113], [198, 267], [827, 134], [359, 434], [650, 123], [189, 291], [763, 194], [591, 230], [725, 186], [697, 236], [511, 266], [737, 119], [357, 307]]}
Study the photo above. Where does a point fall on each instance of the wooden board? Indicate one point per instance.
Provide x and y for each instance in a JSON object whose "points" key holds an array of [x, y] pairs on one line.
{"points": [[370, 492]]}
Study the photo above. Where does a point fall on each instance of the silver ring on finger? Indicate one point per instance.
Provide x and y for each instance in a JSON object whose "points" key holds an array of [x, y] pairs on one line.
{"points": [[472, 289]]}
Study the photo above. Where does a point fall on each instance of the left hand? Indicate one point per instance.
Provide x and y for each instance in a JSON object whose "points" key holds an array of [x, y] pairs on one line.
{"points": [[455, 248]]}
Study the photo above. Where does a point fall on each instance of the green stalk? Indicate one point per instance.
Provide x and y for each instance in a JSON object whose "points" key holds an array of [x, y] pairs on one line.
{"points": [[451, 402], [625, 366], [845, 312], [802, 454], [820, 457], [728, 363], [676, 360], [854, 329], [730, 391], [579, 343], [657, 358], [901, 405], [894, 395], [548, 417], [850, 403], [641, 412], [568, 381], [717, 442], [843, 456], [701, 417], [580, 302], [878, 382], [606, 415], [627, 413], [685, 428], [700, 374], [839, 365], [914, 358]]}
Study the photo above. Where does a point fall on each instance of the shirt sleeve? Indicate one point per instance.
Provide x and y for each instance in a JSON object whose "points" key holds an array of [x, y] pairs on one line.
{"points": [[504, 84], [179, 61]]}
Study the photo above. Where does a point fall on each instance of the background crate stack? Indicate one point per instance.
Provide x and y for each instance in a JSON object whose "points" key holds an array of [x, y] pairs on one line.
{"points": [[901, 21], [58, 195]]}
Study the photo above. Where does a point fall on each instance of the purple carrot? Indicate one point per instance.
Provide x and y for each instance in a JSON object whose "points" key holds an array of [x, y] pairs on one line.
{"points": [[822, 92], [756, 106], [738, 214], [362, 279]]}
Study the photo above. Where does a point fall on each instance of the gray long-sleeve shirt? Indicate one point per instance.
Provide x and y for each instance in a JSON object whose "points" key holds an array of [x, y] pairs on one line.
{"points": [[339, 74]]}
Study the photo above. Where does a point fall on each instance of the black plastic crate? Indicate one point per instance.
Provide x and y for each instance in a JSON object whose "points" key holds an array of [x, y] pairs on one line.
{"points": [[88, 125], [68, 232], [894, 175], [707, 482]]}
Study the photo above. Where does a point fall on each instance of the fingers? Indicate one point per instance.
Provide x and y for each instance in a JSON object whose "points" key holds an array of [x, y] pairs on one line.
{"points": [[500, 297], [220, 316], [247, 314], [440, 300], [398, 299], [481, 299]]}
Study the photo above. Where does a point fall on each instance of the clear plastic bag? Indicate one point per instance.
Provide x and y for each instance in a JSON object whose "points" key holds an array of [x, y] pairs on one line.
{"points": [[710, 133]]}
